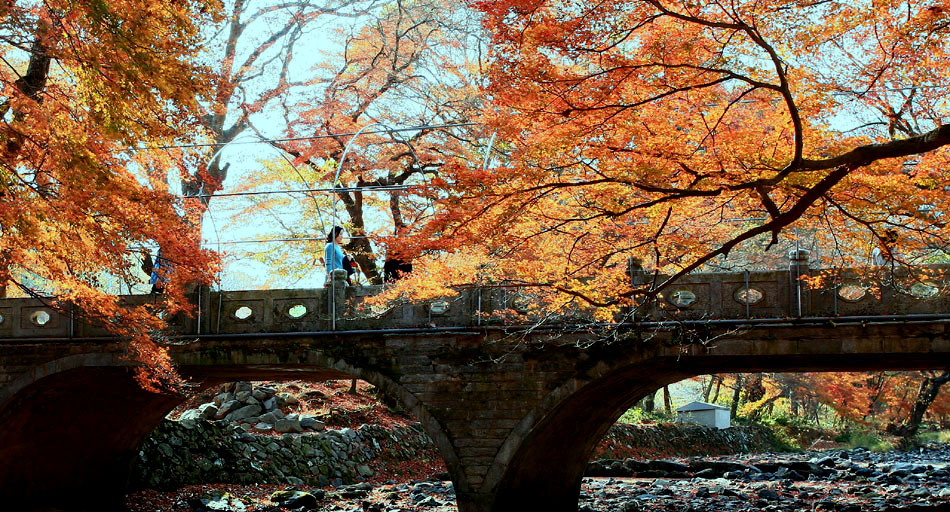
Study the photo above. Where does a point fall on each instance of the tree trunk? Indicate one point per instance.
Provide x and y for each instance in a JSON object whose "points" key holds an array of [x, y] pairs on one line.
{"points": [[736, 396], [667, 402], [709, 388], [649, 403], [718, 388], [926, 394]]}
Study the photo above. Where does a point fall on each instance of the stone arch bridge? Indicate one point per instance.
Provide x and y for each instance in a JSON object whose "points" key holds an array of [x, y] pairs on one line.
{"points": [[514, 410]]}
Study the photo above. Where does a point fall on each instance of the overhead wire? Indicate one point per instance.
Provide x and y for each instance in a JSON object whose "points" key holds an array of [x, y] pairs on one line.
{"points": [[370, 188], [306, 137]]}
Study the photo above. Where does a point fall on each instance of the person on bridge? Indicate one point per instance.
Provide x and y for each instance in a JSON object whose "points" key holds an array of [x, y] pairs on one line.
{"points": [[157, 271], [333, 254], [883, 254], [351, 266]]}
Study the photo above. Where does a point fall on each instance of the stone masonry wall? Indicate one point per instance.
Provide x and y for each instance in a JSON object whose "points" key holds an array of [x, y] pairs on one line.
{"points": [[194, 451], [197, 451]]}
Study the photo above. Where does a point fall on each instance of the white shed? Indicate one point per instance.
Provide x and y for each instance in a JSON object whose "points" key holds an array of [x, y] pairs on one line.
{"points": [[705, 414]]}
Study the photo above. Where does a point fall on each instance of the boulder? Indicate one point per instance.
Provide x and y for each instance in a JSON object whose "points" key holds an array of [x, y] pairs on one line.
{"points": [[270, 404], [245, 412], [430, 502], [666, 465], [295, 499], [270, 417], [263, 393], [226, 409], [286, 399], [207, 411], [715, 467], [218, 502], [190, 414], [288, 425], [311, 423]]}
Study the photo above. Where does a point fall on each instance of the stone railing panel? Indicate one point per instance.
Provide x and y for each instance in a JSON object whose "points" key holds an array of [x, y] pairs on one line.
{"points": [[696, 297]]}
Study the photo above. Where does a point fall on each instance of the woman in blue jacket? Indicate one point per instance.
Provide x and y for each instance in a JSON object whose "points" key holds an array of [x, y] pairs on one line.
{"points": [[333, 254]]}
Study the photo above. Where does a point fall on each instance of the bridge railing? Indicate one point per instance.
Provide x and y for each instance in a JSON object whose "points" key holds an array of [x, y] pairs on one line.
{"points": [[797, 292]]}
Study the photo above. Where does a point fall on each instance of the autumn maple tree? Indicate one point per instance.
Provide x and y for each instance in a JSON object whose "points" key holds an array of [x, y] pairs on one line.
{"points": [[400, 66], [85, 86], [895, 402], [677, 132]]}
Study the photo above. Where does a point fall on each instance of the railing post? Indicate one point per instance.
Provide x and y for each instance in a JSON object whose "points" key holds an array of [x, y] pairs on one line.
{"points": [[799, 300]]}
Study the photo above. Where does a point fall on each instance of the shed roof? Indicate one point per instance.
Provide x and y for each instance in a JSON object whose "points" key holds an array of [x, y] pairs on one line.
{"points": [[699, 406]]}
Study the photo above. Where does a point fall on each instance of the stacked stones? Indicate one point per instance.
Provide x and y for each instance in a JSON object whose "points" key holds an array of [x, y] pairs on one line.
{"points": [[257, 408], [196, 451]]}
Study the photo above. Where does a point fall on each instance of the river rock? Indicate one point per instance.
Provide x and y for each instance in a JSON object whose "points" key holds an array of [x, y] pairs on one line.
{"points": [[288, 425], [245, 412], [311, 423], [207, 411], [226, 408]]}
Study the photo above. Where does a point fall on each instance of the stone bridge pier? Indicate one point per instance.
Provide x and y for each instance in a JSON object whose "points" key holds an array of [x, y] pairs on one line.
{"points": [[514, 417]]}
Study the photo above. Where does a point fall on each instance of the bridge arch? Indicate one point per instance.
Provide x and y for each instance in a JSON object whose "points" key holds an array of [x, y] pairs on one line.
{"points": [[66, 456], [564, 427], [62, 364]]}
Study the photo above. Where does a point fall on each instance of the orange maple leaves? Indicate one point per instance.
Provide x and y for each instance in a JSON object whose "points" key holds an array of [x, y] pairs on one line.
{"points": [[91, 81], [679, 133]]}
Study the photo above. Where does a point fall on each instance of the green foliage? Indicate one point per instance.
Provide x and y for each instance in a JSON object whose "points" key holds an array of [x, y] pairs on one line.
{"points": [[942, 436], [864, 439], [793, 433], [638, 415]]}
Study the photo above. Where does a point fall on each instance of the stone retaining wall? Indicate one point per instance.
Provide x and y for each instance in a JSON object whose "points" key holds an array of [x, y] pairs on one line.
{"points": [[657, 441], [194, 451], [198, 451]]}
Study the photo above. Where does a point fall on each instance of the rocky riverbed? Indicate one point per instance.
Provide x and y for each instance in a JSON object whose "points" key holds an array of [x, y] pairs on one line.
{"points": [[847, 480], [278, 456]]}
